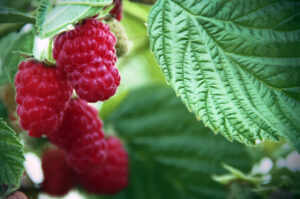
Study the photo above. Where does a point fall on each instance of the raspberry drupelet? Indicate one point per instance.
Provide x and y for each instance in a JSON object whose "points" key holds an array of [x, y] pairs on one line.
{"points": [[87, 54], [43, 94]]}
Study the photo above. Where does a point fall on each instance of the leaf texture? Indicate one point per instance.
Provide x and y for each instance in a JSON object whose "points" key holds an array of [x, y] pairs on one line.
{"points": [[235, 64], [11, 159]]}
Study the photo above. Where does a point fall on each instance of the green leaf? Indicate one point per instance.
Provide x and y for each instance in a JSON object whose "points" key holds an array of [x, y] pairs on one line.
{"points": [[11, 160], [235, 64], [85, 2], [56, 20], [9, 15], [172, 154], [22, 42], [42, 11]]}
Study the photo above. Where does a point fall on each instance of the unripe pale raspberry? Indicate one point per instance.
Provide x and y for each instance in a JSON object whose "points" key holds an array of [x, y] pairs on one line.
{"points": [[121, 36], [58, 176], [117, 11], [81, 136], [87, 54], [110, 177], [43, 94]]}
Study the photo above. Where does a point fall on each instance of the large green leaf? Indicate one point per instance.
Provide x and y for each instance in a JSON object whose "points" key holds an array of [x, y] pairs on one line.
{"points": [[172, 154], [235, 64], [50, 23], [9, 59], [8, 15], [11, 160]]}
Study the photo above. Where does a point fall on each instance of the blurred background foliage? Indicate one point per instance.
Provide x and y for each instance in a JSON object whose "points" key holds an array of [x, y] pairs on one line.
{"points": [[172, 155]]}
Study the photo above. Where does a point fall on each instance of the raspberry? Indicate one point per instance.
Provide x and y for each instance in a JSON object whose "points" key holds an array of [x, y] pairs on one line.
{"points": [[58, 176], [87, 152], [88, 56], [116, 12], [42, 95], [120, 33], [81, 136], [110, 177]]}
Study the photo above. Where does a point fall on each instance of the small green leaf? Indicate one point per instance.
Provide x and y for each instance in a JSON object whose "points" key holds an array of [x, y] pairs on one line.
{"points": [[22, 42], [85, 2], [172, 154], [9, 15], [63, 15], [235, 64], [11, 160]]}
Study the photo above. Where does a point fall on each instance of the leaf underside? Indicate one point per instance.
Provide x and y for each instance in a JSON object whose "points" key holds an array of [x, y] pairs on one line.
{"points": [[172, 154], [235, 64], [67, 12]]}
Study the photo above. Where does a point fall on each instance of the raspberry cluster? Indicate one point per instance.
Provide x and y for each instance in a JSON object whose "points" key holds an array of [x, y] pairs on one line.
{"points": [[81, 136], [86, 61], [105, 178]]}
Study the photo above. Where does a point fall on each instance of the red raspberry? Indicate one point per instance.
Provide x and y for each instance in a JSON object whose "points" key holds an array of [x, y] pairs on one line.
{"points": [[88, 151], [42, 95], [110, 177], [58, 176], [88, 56], [81, 135], [117, 10]]}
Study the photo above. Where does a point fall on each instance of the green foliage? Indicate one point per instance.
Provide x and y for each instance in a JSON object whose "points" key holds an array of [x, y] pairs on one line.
{"points": [[9, 45], [50, 23], [9, 15], [11, 160], [172, 154], [235, 64]]}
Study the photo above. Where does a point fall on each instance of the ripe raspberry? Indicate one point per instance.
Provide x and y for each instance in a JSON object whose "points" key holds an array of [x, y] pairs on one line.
{"points": [[88, 151], [88, 56], [116, 12], [42, 95], [110, 177], [120, 33], [81, 135], [58, 176]]}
